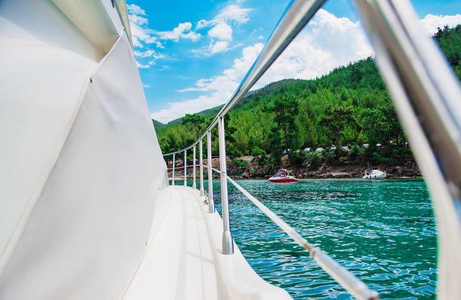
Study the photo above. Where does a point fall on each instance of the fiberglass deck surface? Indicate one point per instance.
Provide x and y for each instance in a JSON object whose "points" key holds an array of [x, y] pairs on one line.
{"points": [[179, 263]]}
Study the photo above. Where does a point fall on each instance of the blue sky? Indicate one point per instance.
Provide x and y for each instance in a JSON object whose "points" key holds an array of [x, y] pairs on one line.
{"points": [[192, 55]]}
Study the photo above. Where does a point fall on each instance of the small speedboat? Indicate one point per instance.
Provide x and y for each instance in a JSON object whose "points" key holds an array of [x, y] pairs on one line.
{"points": [[374, 173], [283, 175]]}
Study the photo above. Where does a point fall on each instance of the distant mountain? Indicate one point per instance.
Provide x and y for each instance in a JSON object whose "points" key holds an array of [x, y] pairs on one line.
{"points": [[158, 125], [211, 112]]}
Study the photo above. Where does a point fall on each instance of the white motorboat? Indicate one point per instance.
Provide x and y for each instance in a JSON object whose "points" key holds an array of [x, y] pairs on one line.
{"points": [[283, 175], [374, 173]]}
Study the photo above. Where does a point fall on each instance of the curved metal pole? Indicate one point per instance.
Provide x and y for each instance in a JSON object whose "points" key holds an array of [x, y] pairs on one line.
{"points": [[202, 194], [194, 173], [426, 95], [211, 208], [227, 240]]}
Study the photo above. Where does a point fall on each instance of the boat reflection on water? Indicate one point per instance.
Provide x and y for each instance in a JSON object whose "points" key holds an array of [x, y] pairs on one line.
{"points": [[283, 175]]}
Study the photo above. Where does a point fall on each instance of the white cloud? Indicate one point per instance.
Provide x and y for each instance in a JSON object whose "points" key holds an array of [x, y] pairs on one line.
{"points": [[140, 35], [192, 36], [213, 48], [231, 13], [221, 31], [230, 79], [137, 22], [136, 10], [220, 46], [201, 24], [148, 53], [430, 23], [143, 36], [234, 13], [141, 66], [151, 55], [220, 88], [159, 45], [183, 30], [327, 42]]}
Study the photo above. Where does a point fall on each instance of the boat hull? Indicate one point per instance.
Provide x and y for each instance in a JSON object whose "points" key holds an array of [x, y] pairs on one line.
{"points": [[285, 179], [372, 176]]}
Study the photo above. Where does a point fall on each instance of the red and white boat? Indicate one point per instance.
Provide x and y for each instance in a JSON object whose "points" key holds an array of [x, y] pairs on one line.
{"points": [[283, 175]]}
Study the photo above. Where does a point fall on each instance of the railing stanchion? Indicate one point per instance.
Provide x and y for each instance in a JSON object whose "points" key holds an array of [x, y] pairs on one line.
{"points": [[172, 179], [194, 174], [210, 174], [227, 240], [202, 194], [185, 167]]}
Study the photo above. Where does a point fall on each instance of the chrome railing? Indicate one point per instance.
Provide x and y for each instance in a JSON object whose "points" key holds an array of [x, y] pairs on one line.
{"points": [[427, 99]]}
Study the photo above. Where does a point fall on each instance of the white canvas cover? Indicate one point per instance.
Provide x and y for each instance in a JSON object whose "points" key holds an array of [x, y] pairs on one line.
{"points": [[80, 165]]}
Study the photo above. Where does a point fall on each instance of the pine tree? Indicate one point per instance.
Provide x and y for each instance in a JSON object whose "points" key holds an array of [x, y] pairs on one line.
{"points": [[285, 109], [336, 118]]}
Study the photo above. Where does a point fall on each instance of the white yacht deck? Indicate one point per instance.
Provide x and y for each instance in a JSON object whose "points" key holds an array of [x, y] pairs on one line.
{"points": [[184, 257]]}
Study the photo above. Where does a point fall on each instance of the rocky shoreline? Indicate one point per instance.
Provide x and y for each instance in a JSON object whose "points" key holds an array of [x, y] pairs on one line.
{"points": [[247, 167]]}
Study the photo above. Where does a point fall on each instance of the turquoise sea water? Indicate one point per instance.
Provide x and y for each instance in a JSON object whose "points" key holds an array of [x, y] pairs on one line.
{"points": [[382, 231]]}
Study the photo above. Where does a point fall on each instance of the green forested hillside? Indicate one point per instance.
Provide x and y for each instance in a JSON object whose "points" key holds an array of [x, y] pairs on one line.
{"points": [[450, 42], [211, 112], [158, 125], [350, 106]]}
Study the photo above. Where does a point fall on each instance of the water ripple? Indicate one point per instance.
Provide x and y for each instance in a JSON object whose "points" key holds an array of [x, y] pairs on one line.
{"points": [[383, 232]]}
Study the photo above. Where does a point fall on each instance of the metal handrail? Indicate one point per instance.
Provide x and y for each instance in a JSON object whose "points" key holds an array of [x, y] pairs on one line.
{"points": [[345, 278], [426, 95]]}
